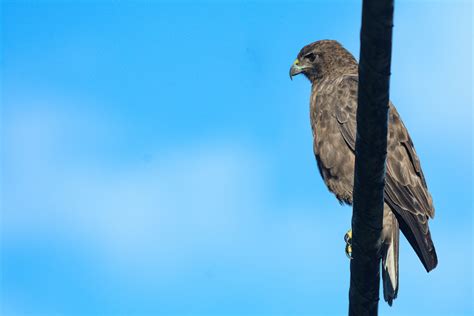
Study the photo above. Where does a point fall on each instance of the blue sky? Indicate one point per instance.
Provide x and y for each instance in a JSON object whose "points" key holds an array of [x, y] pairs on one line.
{"points": [[157, 160]]}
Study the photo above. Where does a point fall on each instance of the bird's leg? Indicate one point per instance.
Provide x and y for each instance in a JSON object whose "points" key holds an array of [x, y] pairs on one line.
{"points": [[348, 240]]}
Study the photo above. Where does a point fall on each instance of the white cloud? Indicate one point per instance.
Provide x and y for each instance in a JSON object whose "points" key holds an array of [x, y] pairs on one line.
{"points": [[181, 204], [189, 220]]}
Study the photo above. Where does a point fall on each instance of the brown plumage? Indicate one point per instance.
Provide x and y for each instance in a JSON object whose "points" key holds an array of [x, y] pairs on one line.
{"points": [[333, 72]]}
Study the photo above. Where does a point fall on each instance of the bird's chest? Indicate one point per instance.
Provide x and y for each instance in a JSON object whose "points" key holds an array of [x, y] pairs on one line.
{"points": [[335, 159], [322, 119]]}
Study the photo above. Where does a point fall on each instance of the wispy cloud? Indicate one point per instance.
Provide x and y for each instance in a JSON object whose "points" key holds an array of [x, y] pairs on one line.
{"points": [[191, 211]]}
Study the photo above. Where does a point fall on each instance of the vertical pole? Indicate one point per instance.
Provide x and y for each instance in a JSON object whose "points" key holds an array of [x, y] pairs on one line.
{"points": [[371, 152]]}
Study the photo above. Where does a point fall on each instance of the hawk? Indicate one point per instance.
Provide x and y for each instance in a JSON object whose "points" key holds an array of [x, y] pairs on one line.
{"points": [[333, 73]]}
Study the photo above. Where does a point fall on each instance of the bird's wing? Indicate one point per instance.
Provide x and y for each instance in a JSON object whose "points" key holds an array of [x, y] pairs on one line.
{"points": [[346, 108], [406, 191], [405, 186]]}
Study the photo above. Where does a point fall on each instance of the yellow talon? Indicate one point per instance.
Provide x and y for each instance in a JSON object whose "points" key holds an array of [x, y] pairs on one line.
{"points": [[349, 251], [348, 240], [348, 236]]}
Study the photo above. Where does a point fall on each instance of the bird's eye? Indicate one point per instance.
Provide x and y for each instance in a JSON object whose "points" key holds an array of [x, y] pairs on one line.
{"points": [[311, 57]]}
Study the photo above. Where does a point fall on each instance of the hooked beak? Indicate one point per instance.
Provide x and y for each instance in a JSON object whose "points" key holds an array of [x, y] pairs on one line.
{"points": [[295, 69]]}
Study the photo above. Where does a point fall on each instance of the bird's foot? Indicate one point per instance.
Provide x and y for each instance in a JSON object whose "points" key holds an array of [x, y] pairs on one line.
{"points": [[348, 240]]}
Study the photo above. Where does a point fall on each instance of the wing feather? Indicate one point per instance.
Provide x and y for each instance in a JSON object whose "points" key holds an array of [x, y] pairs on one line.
{"points": [[406, 191]]}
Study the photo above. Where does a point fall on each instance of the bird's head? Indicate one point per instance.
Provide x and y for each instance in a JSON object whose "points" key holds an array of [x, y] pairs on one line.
{"points": [[320, 59]]}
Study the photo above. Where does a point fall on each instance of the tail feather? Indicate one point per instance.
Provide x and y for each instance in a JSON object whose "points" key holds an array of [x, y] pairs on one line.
{"points": [[418, 235], [391, 235]]}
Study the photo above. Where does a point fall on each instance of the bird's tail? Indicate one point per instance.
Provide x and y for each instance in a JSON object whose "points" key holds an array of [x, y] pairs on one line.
{"points": [[391, 235]]}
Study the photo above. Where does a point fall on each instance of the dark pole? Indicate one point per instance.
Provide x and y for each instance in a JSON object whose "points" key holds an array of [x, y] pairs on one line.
{"points": [[371, 151]]}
